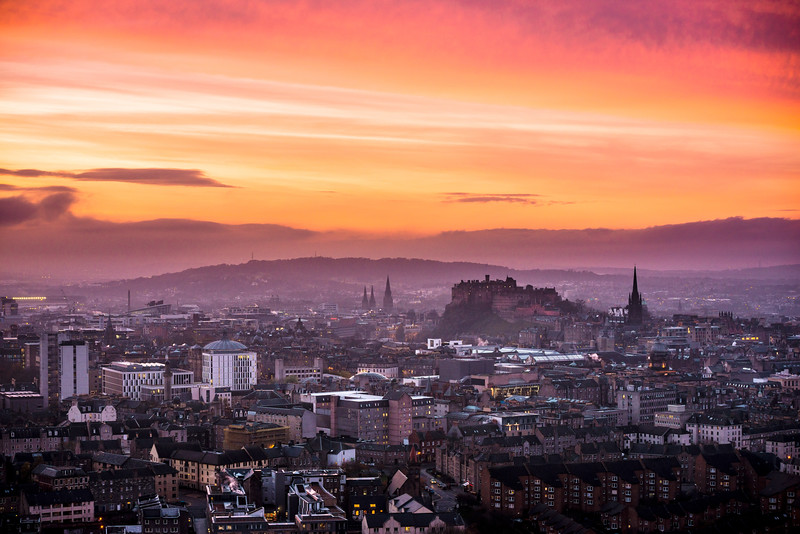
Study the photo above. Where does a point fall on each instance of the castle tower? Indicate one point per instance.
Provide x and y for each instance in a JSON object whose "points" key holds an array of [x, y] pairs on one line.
{"points": [[388, 302], [365, 300], [372, 304], [635, 303]]}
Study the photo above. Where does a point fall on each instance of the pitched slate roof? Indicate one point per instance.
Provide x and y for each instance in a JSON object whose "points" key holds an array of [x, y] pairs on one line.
{"points": [[415, 521], [725, 461], [663, 467], [111, 458], [625, 469]]}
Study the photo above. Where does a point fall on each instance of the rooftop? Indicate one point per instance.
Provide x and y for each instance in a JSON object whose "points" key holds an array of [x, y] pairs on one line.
{"points": [[225, 345]]}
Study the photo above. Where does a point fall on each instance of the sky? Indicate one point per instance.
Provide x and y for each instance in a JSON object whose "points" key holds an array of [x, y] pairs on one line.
{"points": [[204, 131]]}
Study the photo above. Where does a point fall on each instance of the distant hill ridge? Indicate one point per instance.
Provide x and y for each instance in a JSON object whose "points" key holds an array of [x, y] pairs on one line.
{"points": [[358, 270], [350, 273], [353, 269]]}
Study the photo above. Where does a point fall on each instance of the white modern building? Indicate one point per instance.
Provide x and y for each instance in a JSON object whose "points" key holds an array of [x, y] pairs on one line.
{"points": [[130, 379], [73, 369], [228, 363]]}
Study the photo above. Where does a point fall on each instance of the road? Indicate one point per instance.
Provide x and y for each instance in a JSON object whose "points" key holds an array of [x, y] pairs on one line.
{"points": [[443, 500]]}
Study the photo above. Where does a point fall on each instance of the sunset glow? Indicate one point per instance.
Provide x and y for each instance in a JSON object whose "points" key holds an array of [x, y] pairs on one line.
{"points": [[402, 118]]}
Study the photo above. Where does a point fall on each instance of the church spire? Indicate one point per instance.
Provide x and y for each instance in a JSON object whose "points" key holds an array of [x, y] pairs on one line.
{"points": [[365, 300], [372, 304], [110, 335], [635, 303], [388, 302]]}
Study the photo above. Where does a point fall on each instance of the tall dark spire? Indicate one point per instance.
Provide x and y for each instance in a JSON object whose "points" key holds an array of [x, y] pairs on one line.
{"points": [[372, 303], [365, 300], [388, 302], [110, 335], [635, 303]]}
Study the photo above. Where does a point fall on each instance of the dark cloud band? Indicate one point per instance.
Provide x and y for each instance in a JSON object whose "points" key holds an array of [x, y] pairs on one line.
{"points": [[145, 176], [513, 198]]}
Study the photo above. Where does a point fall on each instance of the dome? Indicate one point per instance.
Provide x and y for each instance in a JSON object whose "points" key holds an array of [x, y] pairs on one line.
{"points": [[370, 376], [225, 345]]}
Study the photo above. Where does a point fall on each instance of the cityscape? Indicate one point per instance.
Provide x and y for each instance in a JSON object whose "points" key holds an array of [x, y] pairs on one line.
{"points": [[512, 406], [384, 267]]}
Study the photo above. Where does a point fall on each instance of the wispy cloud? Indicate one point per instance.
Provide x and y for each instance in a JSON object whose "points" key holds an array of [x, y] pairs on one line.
{"points": [[512, 198], [146, 176]]}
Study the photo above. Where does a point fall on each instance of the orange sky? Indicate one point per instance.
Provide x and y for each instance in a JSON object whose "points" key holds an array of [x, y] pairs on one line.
{"points": [[401, 117]]}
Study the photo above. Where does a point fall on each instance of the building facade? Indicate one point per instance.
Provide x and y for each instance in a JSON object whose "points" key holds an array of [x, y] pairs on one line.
{"points": [[385, 420], [130, 380], [49, 384], [59, 508], [641, 404], [301, 372], [74, 369], [227, 363]]}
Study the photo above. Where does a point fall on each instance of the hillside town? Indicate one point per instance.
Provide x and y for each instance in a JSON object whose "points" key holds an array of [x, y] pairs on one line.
{"points": [[511, 410]]}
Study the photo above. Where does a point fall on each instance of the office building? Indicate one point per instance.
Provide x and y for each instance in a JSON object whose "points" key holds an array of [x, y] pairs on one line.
{"points": [[385, 420], [642, 404], [135, 380], [227, 363], [49, 384], [303, 372], [74, 369]]}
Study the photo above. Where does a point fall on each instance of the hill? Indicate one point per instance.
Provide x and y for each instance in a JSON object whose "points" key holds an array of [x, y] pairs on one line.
{"points": [[425, 284]]}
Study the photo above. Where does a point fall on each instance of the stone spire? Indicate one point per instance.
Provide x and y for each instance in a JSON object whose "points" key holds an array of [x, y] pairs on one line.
{"points": [[388, 302], [635, 303], [365, 300], [372, 303]]}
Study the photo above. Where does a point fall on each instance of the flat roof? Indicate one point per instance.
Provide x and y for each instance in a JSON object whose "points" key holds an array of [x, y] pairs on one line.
{"points": [[20, 394], [131, 367], [362, 396]]}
